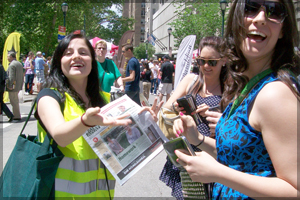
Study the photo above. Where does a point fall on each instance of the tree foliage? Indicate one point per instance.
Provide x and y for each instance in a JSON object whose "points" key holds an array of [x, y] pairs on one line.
{"points": [[38, 22], [140, 51], [200, 17]]}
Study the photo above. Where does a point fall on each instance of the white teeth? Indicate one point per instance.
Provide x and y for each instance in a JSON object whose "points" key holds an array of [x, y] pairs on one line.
{"points": [[257, 33], [77, 65]]}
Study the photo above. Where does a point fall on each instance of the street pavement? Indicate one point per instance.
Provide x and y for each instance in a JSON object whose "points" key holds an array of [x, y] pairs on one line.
{"points": [[145, 183]]}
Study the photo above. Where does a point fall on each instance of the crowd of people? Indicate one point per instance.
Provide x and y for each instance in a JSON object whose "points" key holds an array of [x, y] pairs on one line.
{"points": [[247, 148]]}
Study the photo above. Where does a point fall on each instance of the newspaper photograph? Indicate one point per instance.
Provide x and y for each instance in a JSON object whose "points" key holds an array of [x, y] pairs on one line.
{"points": [[124, 150]]}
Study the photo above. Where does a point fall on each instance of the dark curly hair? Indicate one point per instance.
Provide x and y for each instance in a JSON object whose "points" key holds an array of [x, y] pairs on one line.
{"points": [[284, 59], [56, 78], [216, 43]]}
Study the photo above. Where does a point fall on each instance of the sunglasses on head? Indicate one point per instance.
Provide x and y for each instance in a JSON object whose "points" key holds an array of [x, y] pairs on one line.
{"points": [[211, 62], [274, 11]]}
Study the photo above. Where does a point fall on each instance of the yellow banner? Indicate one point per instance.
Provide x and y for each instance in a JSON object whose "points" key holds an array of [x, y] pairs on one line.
{"points": [[12, 43]]}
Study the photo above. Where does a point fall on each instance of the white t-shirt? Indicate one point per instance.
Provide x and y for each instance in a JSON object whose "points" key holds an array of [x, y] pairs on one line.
{"points": [[154, 69]]}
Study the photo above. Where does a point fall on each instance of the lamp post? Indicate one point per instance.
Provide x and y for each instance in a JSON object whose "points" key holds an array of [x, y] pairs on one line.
{"points": [[64, 8], [223, 4], [169, 32]]}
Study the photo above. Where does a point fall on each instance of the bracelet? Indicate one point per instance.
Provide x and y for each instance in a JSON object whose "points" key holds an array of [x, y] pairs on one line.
{"points": [[83, 121], [201, 141]]}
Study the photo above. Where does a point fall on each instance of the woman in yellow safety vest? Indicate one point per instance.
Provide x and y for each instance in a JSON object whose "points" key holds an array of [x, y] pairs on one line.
{"points": [[74, 75]]}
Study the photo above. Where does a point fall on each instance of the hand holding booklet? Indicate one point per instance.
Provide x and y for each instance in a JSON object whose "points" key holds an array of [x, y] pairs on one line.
{"points": [[124, 150]]}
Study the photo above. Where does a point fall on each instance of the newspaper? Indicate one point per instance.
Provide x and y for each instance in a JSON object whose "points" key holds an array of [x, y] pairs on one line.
{"points": [[124, 150]]}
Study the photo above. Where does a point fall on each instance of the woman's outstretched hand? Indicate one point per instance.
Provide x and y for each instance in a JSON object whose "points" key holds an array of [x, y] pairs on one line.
{"points": [[92, 117], [154, 109]]}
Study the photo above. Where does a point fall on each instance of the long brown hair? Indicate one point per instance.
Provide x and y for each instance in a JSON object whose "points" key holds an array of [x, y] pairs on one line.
{"points": [[216, 43], [284, 59]]}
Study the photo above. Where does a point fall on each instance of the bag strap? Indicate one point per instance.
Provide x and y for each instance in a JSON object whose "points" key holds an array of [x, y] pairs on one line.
{"points": [[28, 117]]}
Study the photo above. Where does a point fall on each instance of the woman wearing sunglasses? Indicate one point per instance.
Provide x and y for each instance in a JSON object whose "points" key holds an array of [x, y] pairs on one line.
{"points": [[255, 150], [207, 88]]}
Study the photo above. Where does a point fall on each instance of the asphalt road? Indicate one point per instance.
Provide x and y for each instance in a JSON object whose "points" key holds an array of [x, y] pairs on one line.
{"points": [[143, 184]]}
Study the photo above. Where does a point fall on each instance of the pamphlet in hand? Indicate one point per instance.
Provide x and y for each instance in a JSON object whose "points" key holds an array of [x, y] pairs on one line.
{"points": [[124, 150]]}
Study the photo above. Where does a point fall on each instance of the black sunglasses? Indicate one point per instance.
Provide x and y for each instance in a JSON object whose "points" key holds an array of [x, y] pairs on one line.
{"points": [[211, 62], [274, 11]]}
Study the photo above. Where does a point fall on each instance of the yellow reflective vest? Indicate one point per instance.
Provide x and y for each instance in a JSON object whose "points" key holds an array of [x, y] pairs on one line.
{"points": [[80, 173]]}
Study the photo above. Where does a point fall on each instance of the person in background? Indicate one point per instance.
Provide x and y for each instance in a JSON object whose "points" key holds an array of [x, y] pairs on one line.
{"points": [[107, 69], [49, 60], [158, 77], [74, 75], [40, 66], [195, 69], [3, 106], [29, 73], [141, 82], [132, 78], [167, 72], [146, 78], [154, 69], [14, 83], [207, 89], [254, 154]]}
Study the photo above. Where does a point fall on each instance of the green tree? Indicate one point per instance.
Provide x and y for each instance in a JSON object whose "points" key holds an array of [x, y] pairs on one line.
{"points": [[200, 17], [38, 21], [140, 51]]}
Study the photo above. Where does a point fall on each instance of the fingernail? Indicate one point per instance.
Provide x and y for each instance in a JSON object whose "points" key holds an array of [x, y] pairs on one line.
{"points": [[178, 132], [181, 131], [177, 135], [180, 113], [192, 113], [177, 160]]}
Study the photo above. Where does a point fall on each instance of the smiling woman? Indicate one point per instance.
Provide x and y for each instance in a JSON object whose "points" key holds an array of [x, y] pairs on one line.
{"points": [[67, 115], [256, 138]]}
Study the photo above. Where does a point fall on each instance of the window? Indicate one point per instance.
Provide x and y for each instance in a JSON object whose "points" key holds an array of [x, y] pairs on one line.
{"points": [[153, 11]]}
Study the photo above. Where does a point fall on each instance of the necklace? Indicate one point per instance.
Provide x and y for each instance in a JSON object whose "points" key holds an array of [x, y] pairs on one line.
{"points": [[211, 92]]}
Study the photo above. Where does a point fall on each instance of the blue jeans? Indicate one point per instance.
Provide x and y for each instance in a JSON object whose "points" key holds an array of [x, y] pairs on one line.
{"points": [[28, 81], [153, 85]]}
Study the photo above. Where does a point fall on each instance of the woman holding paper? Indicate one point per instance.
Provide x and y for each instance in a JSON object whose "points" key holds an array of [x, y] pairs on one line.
{"points": [[74, 75]]}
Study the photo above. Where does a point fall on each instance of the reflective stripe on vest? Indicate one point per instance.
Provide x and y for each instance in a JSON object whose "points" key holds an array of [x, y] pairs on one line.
{"points": [[79, 165], [80, 173], [82, 188]]}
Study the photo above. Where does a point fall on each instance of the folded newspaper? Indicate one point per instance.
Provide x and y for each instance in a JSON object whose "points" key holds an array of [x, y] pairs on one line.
{"points": [[124, 150]]}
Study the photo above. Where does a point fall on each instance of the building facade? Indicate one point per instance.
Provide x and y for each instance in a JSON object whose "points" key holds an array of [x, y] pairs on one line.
{"points": [[132, 9]]}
